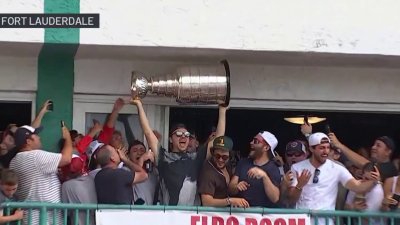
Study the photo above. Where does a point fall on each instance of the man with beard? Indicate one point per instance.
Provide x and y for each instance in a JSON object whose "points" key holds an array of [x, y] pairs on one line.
{"points": [[381, 153], [320, 192], [215, 176], [257, 178]]}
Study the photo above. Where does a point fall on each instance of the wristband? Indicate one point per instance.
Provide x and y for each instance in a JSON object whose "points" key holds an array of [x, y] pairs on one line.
{"points": [[307, 135], [228, 201], [299, 188]]}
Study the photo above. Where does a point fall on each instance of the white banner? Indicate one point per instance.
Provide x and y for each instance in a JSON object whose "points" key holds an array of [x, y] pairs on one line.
{"points": [[152, 217]]}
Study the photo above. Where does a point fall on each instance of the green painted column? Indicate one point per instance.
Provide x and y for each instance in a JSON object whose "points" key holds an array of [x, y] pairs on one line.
{"points": [[56, 73]]}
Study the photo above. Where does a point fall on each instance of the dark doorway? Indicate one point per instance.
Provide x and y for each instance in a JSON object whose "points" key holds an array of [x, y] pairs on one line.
{"points": [[353, 129], [15, 112]]}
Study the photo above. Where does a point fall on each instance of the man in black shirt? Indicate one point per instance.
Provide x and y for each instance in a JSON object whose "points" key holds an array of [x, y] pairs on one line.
{"points": [[114, 185], [179, 168]]}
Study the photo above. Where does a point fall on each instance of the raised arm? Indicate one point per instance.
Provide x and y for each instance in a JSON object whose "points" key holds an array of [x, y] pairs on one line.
{"points": [[66, 152], [108, 129], [43, 110], [355, 158], [118, 105], [220, 131], [85, 141], [144, 123]]}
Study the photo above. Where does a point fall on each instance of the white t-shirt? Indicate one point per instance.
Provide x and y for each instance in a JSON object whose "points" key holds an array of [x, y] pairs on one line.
{"points": [[37, 175], [321, 195], [373, 200]]}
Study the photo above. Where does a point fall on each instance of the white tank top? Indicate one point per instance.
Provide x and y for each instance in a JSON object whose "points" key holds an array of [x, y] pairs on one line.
{"points": [[394, 185]]}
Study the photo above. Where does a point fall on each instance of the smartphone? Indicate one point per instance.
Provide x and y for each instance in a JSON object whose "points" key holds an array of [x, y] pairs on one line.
{"points": [[50, 107], [397, 198], [375, 164], [327, 129], [306, 120], [62, 123]]}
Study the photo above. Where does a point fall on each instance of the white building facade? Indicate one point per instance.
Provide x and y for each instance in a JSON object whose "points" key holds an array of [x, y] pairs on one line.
{"points": [[302, 55]]}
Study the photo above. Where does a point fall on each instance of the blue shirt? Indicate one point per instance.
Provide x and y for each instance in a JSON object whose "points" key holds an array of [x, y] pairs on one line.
{"points": [[255, 194]]}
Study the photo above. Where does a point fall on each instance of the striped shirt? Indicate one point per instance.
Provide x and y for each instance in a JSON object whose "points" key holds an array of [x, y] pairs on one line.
{"points": [[38, 180]]}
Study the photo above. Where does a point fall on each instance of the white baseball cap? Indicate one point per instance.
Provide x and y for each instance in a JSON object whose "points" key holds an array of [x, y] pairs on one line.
{"points": [[270, 139], [316, 138], [93, 146]]}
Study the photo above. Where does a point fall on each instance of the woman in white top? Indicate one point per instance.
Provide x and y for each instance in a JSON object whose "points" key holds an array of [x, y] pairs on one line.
{"points": [[370, 201], [392, 194]]}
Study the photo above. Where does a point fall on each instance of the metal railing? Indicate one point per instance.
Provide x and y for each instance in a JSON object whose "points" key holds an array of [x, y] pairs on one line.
{"points": [[44, 209]]}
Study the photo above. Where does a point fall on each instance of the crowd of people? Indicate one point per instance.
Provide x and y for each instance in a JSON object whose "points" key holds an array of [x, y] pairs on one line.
{"points": [[317, 171]]}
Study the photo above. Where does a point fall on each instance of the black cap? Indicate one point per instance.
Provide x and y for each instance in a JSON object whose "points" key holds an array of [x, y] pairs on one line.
{"points": [[223, 142], [388, 142], [296, 146], [23, 133]]}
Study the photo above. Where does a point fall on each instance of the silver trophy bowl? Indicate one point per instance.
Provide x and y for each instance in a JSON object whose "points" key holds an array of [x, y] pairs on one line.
{"points": [[203, 84]]}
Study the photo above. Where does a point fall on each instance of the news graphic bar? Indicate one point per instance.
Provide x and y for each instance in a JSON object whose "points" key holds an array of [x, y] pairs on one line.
{"points": [[49, 20]]}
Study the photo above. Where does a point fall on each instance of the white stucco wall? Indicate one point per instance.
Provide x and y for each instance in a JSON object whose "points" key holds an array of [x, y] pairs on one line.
{"points": [[18, 80], [18, 73], [360, 26], [262, 85], [25, 34]]}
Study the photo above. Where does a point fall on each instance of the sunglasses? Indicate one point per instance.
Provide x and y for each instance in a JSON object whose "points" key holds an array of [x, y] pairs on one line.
{"points": [[224, 157], [316, 174], [256, 141], [298, 154], [181, 133]]}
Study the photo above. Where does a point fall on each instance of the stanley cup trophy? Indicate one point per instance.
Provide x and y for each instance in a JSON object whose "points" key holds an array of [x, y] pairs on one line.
{"points": [[189, 85]]}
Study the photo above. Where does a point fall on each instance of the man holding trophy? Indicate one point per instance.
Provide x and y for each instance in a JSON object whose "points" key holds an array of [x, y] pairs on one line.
{"points": [[179, 167]]}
